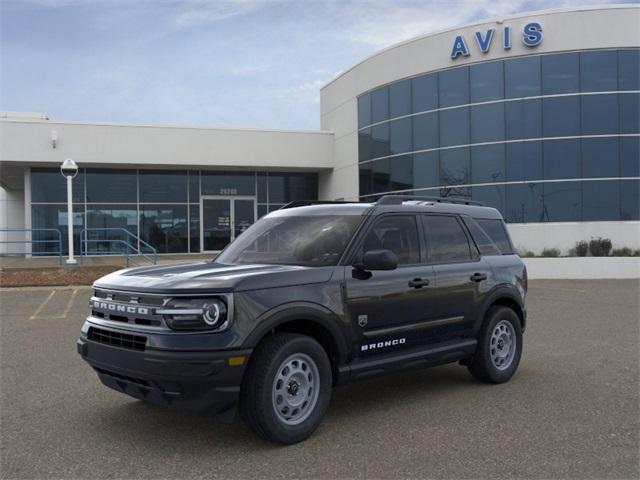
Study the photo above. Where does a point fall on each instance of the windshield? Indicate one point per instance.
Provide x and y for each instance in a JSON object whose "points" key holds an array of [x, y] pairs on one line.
{"points": [[315, 240]]}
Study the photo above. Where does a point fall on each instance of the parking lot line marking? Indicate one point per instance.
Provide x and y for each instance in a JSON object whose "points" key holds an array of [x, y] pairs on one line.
{"points": [[69, 304], [42, 305]]}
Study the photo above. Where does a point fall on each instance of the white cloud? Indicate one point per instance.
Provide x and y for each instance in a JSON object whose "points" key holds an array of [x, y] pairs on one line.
{"points": [[198, 12]]}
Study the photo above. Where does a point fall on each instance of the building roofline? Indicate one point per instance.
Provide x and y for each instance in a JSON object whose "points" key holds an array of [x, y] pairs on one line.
{"points": [[171, 126], [516, 16]]}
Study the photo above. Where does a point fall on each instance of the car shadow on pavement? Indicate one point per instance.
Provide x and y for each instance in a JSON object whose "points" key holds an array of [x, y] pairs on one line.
{"points": [[173, 429]]}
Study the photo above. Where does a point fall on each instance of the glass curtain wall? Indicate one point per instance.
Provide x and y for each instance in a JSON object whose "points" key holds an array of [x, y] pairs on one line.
{"points": [[543, 138], [162, 207]]}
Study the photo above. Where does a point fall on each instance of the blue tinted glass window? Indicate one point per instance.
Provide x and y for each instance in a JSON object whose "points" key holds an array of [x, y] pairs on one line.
{"points": [[491, 195], [487, 82], [425, 131], [381, 177], [52, 216], [560, 73], [600, 157], [194, 228], [629, 69], [599, 114], [562, 201], [380, 141], [455, 167], [561, 159], [366, 186], [261, 185], [629, 112], [426, 169], [561, 116], [287, 187], [487, 164], [364, 110], [487, 122], [194, 186], [523, 161], [454, 87], [400, 135], [601, 200], [599, 71], [523, 119], [165, 227], [629, 203], [124, 217], [112, 186], [166, 186], [424, 93], [522, 77], [630, 157], [400, 98], [401, 172], [48, 185], [365, 145], [524, 203], [380, 105], [454, 127]]}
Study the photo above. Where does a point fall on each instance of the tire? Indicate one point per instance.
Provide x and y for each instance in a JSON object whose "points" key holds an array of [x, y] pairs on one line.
{"points": [[492, 362], [287, 372]]}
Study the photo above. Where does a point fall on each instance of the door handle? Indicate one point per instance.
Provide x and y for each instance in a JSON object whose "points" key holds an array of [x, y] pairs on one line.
{"points": [[478, 277], [418, 283]]}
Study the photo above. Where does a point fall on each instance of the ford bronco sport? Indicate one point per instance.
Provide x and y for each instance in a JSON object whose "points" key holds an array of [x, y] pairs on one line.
{"points": [[313, 295]]}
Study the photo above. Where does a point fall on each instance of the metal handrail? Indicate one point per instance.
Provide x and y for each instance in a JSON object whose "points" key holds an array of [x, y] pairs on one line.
{"points": [[32, 241], [152, 257]]}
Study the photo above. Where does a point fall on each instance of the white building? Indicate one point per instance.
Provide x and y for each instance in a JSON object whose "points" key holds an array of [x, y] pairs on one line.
{"points": [[535, 114]]}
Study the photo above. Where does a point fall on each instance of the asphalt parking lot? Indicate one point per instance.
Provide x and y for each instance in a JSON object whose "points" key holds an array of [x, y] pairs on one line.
{"points": [[570, 412]]}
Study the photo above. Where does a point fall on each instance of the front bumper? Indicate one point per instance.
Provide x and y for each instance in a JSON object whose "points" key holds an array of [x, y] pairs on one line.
{"points": [[200, 381]]}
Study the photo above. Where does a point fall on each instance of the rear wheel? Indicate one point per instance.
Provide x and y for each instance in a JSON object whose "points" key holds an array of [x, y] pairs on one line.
{"points": [[499, 346], [287, 388]]}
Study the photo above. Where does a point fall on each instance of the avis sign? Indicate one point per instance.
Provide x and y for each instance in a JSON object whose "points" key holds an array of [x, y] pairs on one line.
{"points": [[531, 37]]}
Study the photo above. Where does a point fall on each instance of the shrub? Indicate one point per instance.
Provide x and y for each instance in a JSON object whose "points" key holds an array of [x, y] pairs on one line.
{"points": [[600, 247], [550, 252], [526, 253], [582, 248], [625, 252]]}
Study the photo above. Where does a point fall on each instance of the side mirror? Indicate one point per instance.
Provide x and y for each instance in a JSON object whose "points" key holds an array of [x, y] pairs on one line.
{"points": [[379, 260]]}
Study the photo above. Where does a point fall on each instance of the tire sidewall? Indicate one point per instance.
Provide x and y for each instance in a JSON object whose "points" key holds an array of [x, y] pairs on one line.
{"points": [[279, 430], [497, 315]]}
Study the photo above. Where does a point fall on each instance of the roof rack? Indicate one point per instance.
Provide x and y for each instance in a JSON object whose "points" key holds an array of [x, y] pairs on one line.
{"points": [[399, 199], [304, 203]]}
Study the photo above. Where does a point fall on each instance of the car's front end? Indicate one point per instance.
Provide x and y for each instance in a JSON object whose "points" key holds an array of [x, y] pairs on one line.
{"points": [[167, 349]]}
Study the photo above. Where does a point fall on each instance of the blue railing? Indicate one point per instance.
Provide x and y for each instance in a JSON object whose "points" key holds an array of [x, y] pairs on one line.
{"points": [[131, 245], [57, 241]]}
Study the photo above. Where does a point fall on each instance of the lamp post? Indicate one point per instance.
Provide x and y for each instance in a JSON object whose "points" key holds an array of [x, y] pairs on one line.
{"points": [[69, 170]]}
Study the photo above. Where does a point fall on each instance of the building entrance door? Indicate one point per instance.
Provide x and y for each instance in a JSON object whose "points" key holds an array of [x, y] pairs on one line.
{"points": [[222, 219]]}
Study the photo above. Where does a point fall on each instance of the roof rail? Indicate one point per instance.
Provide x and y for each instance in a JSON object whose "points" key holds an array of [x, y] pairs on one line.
{"points": [[399, 199], [304, 203]]}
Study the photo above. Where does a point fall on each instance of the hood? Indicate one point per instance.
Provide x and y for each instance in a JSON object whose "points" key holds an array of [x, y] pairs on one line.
{"points": [[207, 276]]}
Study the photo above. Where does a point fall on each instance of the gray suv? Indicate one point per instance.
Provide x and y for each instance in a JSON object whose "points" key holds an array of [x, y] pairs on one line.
{"points": [[311, 296]]}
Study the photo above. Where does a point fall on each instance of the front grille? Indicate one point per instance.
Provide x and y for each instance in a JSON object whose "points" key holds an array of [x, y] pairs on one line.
{"points": [[117, 339], [131, 308]]}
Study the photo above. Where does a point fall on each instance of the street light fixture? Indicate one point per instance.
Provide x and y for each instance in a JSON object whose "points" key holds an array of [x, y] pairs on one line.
{"points": [[69, 170]]}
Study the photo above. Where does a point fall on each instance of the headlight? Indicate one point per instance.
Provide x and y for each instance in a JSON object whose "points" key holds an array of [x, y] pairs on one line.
{"points": [[195, 314]]}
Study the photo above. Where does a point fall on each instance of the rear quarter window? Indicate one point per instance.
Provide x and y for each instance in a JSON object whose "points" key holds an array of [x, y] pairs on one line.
{"points": [[497, 232]]}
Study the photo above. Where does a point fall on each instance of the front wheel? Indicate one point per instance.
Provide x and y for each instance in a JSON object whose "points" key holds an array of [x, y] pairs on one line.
{"points": [[287, 388], [499, 346]]}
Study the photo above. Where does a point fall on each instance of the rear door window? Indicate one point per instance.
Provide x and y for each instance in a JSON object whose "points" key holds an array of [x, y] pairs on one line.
{"points": [[497, 231], [446, 240], [398, 234]]}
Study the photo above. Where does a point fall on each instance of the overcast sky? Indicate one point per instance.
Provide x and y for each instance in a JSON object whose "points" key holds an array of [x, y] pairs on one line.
{"points": [[236, 63]]}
